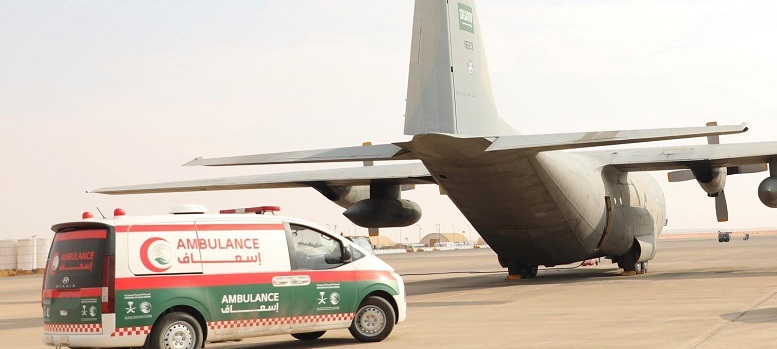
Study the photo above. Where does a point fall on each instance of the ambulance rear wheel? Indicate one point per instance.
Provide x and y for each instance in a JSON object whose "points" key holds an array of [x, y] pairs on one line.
{"points": [[374, 320], [176, 331], [308, 336]]}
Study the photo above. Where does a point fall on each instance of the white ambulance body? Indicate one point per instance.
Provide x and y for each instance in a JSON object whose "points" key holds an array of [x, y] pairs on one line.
{"points": [[181, 280]]}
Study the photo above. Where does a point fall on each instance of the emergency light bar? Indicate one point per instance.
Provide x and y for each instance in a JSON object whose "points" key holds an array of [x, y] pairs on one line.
{"points": [[257, 210]]}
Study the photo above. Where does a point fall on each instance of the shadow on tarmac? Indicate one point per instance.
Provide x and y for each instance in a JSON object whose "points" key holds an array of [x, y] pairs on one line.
{"points": [[295, 343], [757, 316], [580, 275]]}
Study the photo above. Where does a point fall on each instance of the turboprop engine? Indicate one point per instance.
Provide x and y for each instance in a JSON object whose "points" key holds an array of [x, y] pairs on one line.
{"points": [[374, 206], [379, 213], [712, 180], [767, 190]]}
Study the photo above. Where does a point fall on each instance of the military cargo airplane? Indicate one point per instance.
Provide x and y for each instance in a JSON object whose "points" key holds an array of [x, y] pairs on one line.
{"points": [[541, 199]]}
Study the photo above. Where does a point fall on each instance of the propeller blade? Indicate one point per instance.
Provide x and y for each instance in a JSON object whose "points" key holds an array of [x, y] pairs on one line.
{"points": [[367, 163], [680, 176], [713, 139], [373, 231], [747, 169], [721, 208]]}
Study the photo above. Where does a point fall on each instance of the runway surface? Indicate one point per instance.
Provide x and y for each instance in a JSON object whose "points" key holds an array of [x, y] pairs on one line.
{"points": [[699, 293]]}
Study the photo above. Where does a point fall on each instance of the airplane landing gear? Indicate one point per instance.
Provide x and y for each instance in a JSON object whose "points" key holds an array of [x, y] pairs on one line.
{"points": [[628, 262], [516, 271]]}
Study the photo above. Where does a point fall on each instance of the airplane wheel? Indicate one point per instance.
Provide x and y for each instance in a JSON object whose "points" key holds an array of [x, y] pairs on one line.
{"points": [[525, 271], [638, 268], [644, 267], [530, 271], [628, 262]]}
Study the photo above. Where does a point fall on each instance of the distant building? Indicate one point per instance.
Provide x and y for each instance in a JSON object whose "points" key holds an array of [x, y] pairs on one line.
{"points": [[455, 238], [382, 242]]}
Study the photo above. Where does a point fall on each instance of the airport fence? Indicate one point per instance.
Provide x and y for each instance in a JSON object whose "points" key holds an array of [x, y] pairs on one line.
{"points": [[428, 249]]}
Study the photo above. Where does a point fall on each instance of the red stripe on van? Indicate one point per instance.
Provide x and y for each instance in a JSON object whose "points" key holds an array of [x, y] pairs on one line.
{"points": [[200, 227], [203, 227], [81, 234], [170, 281], [159, 227], [84, 292]]}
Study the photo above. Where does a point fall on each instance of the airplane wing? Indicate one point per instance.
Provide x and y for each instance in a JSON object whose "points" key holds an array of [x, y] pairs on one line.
{"points": [[683, 157], [560, 141], [362, 153], [414, 173], [521, 143]]}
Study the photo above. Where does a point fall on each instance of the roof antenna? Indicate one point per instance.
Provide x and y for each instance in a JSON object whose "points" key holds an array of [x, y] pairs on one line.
{"points": [[101, 212]]}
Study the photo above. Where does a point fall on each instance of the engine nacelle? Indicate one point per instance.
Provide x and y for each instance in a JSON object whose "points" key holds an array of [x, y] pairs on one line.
{"points": [[712, 180], [767, 192], [380, 213], [346, 196]]}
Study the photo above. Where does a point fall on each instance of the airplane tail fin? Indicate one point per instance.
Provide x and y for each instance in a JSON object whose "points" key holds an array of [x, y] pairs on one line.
{"points": [[449, 87]]}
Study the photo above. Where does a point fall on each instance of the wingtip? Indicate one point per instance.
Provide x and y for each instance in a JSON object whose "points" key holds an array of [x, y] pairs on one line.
{"points": [[193, 162]]}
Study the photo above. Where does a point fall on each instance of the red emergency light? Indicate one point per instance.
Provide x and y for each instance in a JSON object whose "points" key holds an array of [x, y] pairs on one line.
{"points": [[119, 212], [87, 215], [257, 210]]}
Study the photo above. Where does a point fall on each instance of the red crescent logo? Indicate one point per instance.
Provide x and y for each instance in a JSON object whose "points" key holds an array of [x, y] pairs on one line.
{"points": [[144, 255], [54, 263]]}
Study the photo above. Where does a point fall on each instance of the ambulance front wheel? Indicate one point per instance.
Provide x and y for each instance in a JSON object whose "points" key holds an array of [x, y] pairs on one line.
{"points": [[374, 320], [176, 331]]}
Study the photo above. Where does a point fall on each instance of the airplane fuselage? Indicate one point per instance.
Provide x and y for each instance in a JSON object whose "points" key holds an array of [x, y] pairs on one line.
{"points": [[548, 208]]}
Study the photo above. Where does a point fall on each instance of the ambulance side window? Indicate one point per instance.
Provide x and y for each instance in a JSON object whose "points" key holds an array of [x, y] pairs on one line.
{"points": [[314, 250]]}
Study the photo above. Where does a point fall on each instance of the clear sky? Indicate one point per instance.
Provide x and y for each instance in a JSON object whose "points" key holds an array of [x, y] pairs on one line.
{"points": [[105, 93]]}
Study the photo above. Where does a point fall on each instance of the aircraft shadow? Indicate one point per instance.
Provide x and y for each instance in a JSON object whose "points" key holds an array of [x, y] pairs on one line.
{"points": [[497, 280], [567, 276], [757, 316]]}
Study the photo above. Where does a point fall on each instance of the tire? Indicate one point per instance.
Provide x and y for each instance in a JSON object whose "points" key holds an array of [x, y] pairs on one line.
{"points": [[530, 271], [374, 320], [638, 268], [175, 331], [309, 336]]}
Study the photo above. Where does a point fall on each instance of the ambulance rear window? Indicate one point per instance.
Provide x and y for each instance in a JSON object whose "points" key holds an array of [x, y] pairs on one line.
{"points": [[76, 259]]}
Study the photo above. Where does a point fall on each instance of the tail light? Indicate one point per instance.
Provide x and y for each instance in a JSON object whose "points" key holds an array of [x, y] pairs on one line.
{"points": [[109, 285]]}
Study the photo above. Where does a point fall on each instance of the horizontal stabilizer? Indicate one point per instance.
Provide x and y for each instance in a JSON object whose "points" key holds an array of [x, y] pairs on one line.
{"points": [[749, 157], [392, 174], [560, 141], [359, 153]]}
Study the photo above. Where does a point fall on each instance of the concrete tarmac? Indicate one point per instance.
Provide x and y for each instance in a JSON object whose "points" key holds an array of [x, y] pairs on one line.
{"points": [[699, 293]]}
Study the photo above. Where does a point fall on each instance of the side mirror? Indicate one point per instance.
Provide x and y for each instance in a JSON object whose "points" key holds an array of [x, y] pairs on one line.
{"points": [[347, 255]]}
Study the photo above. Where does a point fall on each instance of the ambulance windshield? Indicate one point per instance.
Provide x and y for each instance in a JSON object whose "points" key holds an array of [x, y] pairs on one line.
{"points": [[76, 260]]}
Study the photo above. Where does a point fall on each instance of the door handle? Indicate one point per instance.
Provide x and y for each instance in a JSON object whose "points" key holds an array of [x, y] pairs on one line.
{"points": [[281, 281], [300, 280]]}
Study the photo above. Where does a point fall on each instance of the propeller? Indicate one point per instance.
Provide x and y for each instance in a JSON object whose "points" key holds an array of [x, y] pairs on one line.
{"points": [[721, 208]]}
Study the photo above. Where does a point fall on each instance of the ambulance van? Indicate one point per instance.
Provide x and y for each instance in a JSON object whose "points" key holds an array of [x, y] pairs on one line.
{"points": [[183, 279]]}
